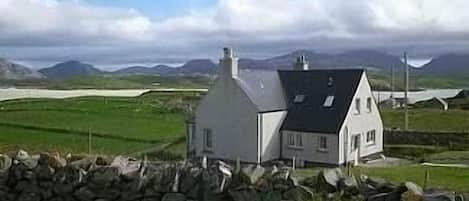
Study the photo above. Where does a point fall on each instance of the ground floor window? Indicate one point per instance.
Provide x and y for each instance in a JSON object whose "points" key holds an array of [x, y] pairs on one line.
{"points": [[295, 140], [371, 137], [322, 143], [355, 142], [208, 143]]}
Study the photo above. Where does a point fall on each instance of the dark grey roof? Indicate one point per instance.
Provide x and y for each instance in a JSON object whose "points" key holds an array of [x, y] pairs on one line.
{"points": [[310, 115], [263, 88]]}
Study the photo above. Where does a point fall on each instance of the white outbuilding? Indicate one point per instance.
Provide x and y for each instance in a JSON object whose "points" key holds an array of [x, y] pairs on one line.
{"points": [[325, 116]]}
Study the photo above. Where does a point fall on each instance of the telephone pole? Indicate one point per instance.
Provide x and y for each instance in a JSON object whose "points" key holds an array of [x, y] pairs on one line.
{"points": [[406, 98]]}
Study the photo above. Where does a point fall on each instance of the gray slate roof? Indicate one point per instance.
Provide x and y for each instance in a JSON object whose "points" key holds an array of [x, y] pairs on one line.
{"points": [[310, 115], [263, 88]]}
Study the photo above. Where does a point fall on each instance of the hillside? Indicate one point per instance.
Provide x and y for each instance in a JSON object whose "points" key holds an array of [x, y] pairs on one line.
{"points": [[13, 71], [447, 64], [70, 69], [357, 58], [192, 67]]}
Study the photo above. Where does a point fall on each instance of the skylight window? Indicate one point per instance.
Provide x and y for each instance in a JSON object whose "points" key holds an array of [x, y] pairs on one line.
{"points": [[299, 98], [329, 101]]}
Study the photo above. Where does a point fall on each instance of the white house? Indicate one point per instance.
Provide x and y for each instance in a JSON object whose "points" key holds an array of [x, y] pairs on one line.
{"points": [[321, 116]]}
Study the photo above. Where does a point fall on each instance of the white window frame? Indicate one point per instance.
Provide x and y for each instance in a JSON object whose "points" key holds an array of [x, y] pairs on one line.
{"points": [[369, 103], [371, 137], [354, 144], [357, 106], [322, 144], [295, 140], [208, 139]]}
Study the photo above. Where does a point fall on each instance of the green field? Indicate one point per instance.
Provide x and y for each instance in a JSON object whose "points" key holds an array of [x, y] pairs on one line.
{"points": [[428, 119], [117, 125]]}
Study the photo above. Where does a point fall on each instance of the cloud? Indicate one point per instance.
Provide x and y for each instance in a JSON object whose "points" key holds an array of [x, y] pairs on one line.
{"points": [[64, 29]]}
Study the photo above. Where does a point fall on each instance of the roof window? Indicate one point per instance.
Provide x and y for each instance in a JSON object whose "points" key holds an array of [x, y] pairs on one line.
{"points": [[329, 101], [299, 98]]}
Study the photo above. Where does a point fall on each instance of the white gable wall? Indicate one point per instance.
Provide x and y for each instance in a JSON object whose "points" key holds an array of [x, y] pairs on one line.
{"points": [[232, 117], [360, 124], [269, 128]]}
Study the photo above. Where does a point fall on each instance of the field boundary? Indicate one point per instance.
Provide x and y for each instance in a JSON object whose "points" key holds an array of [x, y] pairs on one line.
{"points": [[81, 133], [451, 140]]}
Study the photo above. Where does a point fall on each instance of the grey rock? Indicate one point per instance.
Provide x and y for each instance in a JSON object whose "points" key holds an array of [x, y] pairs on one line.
{"points": [[245, 195], [328, 180], [299, 193], [173, 197], [378, 197], [5, 162], [253, 172]]}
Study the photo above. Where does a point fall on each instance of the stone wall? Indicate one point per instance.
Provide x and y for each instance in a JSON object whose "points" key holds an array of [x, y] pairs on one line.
{"points": [[451, 140], [50, 178]]}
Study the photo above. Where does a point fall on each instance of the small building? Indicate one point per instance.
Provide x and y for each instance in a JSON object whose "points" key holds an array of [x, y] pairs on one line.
{"points": [[319, 116]]}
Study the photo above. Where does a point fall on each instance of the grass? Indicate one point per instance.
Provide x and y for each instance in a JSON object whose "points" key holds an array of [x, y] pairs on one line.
{"points": [[440, 177], [117, 123], [428, 119]]}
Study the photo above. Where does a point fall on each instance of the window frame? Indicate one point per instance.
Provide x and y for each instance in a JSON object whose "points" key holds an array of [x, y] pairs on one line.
{"points": [[322, 144], [295, 140], [354, 143], [357, 106], [371, 137], [369, 105]]}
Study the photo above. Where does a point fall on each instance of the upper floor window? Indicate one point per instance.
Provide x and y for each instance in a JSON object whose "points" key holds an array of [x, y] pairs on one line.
{"points": [[357, 106], [368, 104], [208, 141]]}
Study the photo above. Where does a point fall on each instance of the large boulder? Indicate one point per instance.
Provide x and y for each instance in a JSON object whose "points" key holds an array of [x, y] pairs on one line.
{"points": [[253, 173], [248, 194], [24, 158], [328, 180], [349, 186]]}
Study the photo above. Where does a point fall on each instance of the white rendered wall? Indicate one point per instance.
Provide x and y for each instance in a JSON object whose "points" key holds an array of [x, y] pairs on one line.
{"points": [[270, 127]]}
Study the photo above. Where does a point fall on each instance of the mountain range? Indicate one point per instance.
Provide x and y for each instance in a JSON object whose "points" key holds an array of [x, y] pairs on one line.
{"points": [[378, 61], [13, 71]]}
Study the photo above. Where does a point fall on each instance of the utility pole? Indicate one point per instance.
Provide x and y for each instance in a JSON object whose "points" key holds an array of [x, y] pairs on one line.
{"points": [[406, 98], [392, 82], [89, 141]]}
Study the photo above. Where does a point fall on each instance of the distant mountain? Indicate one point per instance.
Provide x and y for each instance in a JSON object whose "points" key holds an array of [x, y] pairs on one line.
{"points": [[358, 58], [192, 67], [142, 70], [447, 64], [70, 69], [13, 71]]}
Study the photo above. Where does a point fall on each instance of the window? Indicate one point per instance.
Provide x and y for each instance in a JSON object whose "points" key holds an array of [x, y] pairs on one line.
{"points": [[208, 143], [357, 106], [368, 104], [355, 142], [299, 98], [329, 101], [322, 143], [291, 139], [295, 140], [371, 137]]}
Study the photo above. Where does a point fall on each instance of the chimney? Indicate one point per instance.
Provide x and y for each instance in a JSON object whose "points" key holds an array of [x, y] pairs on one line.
{"points": [[301, 63], [229, 64]]}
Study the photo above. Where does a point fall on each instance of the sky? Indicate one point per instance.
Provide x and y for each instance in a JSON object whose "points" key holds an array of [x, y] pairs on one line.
{"points": [[117, 33]]}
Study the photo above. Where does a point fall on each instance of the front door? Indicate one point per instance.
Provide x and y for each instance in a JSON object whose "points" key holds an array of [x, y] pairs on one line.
{"points": [[356, 147]]}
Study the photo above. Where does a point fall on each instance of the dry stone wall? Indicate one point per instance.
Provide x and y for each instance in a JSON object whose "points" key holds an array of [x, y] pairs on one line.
{"points": [[51, 178]]}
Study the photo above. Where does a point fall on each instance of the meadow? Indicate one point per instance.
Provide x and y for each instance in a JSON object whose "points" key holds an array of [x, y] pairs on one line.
{"points": [[117, 124]]}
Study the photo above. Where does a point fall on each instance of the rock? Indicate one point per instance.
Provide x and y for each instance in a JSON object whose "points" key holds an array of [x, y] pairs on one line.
{"points": [[55, 161], [271, 196], [413, 193], [84, 163], [253, 173], [378, 197], [245, 195], [104, 176], [328, 180], [5, 162], [173, 197], [442, 196], [349, 186], [381, 185], [84, 194], [24, 158], [298, 193], [126, 165]]}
